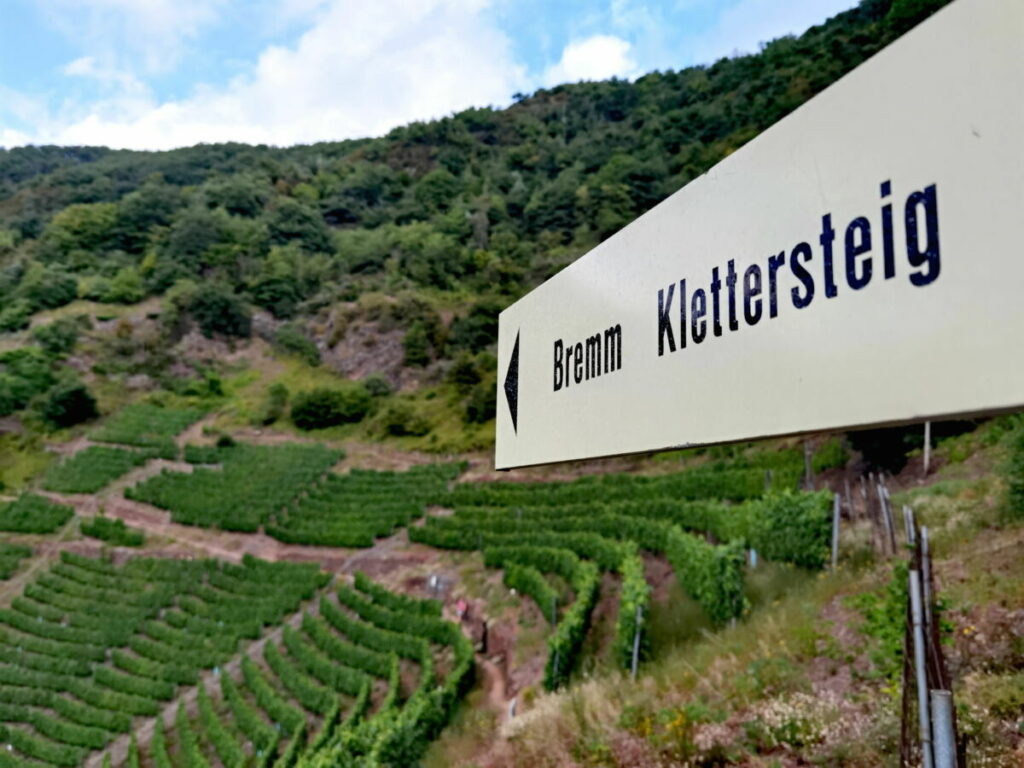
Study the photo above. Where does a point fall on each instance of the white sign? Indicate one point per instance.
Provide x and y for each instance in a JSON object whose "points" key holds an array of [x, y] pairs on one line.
{"points": [[861, 262]]}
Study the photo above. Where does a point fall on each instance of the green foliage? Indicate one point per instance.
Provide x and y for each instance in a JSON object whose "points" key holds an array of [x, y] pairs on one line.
{"points": [[190, 752], [147, 426], [323, 407], [217, 310], [395, 601], [46, 287], [292, 340], [400, 418], [794, 528], [69, 402], [416, 346], [59, 337], [1015, 474], [276, 404], [113, 531], [885, 620], [830, 455], [635, 595], [24, 373], [478, 329], [126, 287], [378, 385], [253, 482], [11, 556], [33, 514]]}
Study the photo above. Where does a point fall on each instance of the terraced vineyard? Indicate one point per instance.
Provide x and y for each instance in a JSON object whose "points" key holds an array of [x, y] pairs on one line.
{"points": [[354, 509], [147, 426], [251, 484], [30, 513], [11, 557], [93, 468], [288, 491], [574, 529]]}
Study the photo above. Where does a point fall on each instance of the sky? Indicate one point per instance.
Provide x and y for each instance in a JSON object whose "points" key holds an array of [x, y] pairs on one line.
{"points": [[159, 74]]}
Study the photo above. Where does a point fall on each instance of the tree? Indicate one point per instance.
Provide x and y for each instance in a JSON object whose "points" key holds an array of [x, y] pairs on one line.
{"points": [[294, 221], [46, 287], [126, 287], [88, 227], [59, 337], [217, 310], [69, 403]]}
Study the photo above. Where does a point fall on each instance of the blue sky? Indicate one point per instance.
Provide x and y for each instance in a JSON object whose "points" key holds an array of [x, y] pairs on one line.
{"points": [[156, 74]]}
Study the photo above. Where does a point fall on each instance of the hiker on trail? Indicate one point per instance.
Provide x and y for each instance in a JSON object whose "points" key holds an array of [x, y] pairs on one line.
{"points": [[460, 608]]}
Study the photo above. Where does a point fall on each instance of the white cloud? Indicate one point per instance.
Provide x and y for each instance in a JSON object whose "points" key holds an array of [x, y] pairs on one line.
{"points": [[595, 58], [362, 69]]}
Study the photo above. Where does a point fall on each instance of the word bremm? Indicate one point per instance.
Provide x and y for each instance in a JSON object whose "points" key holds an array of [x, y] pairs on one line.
{"points": [[757, 290]]}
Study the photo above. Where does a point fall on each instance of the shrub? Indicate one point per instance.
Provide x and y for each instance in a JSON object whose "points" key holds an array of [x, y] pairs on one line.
{"points": [[323, 407], [277, 402], [291, 339], [378, 385], [69, 403], [58, 337], [400, 418], [216, 309], [482, 403]]}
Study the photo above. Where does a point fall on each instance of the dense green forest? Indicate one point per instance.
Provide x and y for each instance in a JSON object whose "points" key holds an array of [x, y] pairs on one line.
{"points": [[429, 230]]}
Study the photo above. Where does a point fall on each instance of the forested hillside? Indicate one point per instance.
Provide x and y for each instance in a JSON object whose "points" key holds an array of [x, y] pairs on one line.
{"points": [[408, 245]]}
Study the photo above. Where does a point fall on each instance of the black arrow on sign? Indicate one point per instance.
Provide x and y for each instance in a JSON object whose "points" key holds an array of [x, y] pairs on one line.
{"points": [[512, 385]]}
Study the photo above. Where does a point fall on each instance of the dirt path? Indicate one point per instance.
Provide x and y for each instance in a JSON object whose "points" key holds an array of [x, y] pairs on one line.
{"points": [[494, 687]]}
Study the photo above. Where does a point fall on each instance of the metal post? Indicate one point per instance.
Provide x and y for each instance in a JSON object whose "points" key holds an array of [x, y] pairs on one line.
{"points": [[767, 479], [753, 558], [890, 524], [836, 504], [927, 445], [924, 721], [909, 525], [808, 475], [926, 575], [890, 539], [636, 641], [944, 742]]}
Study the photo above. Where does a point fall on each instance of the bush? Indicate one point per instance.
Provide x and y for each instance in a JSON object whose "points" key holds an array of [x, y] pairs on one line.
{"points": [[291, 339], [378, 385], [69, 403], [274, 408], [59, 337], [401, 418], [320, 408], [217, 309], [482, 403]]}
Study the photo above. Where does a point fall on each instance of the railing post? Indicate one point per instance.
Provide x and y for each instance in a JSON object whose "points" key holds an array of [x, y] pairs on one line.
{"points": [[924, 721]]}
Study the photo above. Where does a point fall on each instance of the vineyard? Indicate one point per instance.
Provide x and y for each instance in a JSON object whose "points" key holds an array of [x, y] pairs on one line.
{"points": [[575, 530], [93, 468], [31, 513], [90, 650], [251, 483], [147, 426]]}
